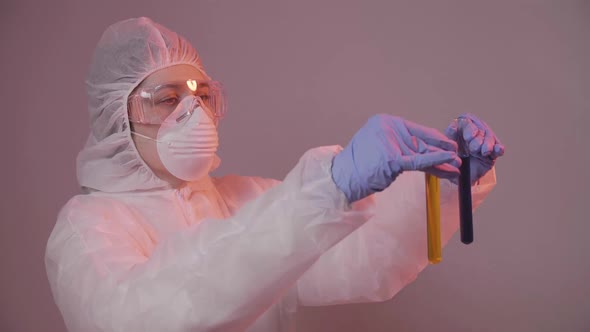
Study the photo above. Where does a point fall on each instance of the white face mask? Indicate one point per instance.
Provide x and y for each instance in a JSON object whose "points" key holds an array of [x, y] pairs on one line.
{"points": [[187, 147]]}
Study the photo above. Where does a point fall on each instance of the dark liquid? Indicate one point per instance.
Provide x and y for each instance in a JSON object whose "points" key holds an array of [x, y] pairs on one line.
{"points": [[465, 210]]}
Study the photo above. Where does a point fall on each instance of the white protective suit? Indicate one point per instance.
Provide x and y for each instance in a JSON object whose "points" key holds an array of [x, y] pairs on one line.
{"points": [[219, 254]]}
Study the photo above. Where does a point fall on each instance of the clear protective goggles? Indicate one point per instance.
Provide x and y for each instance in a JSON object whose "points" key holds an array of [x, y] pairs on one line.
{"points": [[152, 105]]}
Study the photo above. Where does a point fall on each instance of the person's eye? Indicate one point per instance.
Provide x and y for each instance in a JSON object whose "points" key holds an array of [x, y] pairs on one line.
{"points": [[205, 97], [169, 101]]}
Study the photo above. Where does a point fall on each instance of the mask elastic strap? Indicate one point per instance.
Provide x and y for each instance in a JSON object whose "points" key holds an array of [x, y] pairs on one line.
{"points": [[147, 137]]}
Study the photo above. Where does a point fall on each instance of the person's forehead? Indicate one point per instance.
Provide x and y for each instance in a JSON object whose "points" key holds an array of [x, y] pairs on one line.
{"points": [[177, 73]]}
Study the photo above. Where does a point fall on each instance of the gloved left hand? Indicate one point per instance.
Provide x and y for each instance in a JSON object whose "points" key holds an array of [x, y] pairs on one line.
{"points": [[483, 146], [385, 147]]}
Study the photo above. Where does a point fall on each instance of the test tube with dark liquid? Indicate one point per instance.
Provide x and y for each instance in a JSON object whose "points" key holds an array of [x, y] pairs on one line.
{"points": [[465, 206]]}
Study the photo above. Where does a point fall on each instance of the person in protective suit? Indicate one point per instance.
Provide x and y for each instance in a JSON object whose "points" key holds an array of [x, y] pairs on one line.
{"points": [[156, 244]]}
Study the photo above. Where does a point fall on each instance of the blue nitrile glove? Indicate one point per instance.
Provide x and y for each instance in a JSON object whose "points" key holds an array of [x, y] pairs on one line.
{"points": [[483, 145], [385, 147]]}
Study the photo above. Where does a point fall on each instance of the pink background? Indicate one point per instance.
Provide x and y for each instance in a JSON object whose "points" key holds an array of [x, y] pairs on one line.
{"points": [[306, 73]]}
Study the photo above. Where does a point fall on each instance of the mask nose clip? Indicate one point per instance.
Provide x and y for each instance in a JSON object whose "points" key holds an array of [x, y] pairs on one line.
{"points": [[189, 112], [184, 116]]}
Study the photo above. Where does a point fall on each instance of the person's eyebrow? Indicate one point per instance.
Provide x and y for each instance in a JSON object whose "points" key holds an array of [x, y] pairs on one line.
{"points": [[170, 85], [181, 84]]}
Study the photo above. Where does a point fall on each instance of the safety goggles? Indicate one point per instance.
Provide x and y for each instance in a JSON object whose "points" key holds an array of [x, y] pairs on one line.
{"points": [[153, 105]]}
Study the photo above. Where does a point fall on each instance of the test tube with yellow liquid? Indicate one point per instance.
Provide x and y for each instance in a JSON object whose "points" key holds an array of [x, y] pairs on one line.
{"points": [[433, 219]]}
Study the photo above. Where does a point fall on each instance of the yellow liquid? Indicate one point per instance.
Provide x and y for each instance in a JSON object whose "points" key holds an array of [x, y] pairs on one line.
{"points": [[433, 219]]}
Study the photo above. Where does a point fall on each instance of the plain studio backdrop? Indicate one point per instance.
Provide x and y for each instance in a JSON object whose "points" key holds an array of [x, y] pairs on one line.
{"points": [[303, 73]]}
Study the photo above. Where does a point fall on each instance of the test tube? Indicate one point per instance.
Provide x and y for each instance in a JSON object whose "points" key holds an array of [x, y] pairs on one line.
{"points": [[433, 219], [465, 206]]}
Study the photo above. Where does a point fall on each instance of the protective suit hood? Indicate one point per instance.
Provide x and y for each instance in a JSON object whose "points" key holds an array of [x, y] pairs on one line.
{"points": [[126, 54]]}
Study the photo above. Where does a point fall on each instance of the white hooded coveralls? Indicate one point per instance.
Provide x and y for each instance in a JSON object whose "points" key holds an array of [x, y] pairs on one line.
{"points": [[219, 254]]}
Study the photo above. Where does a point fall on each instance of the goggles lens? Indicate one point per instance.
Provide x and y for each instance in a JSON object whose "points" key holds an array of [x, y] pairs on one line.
{"points": [[152, 105]]}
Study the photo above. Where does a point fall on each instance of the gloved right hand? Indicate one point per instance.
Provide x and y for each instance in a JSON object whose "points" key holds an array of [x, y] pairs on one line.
{"points": [[385, 147]]}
